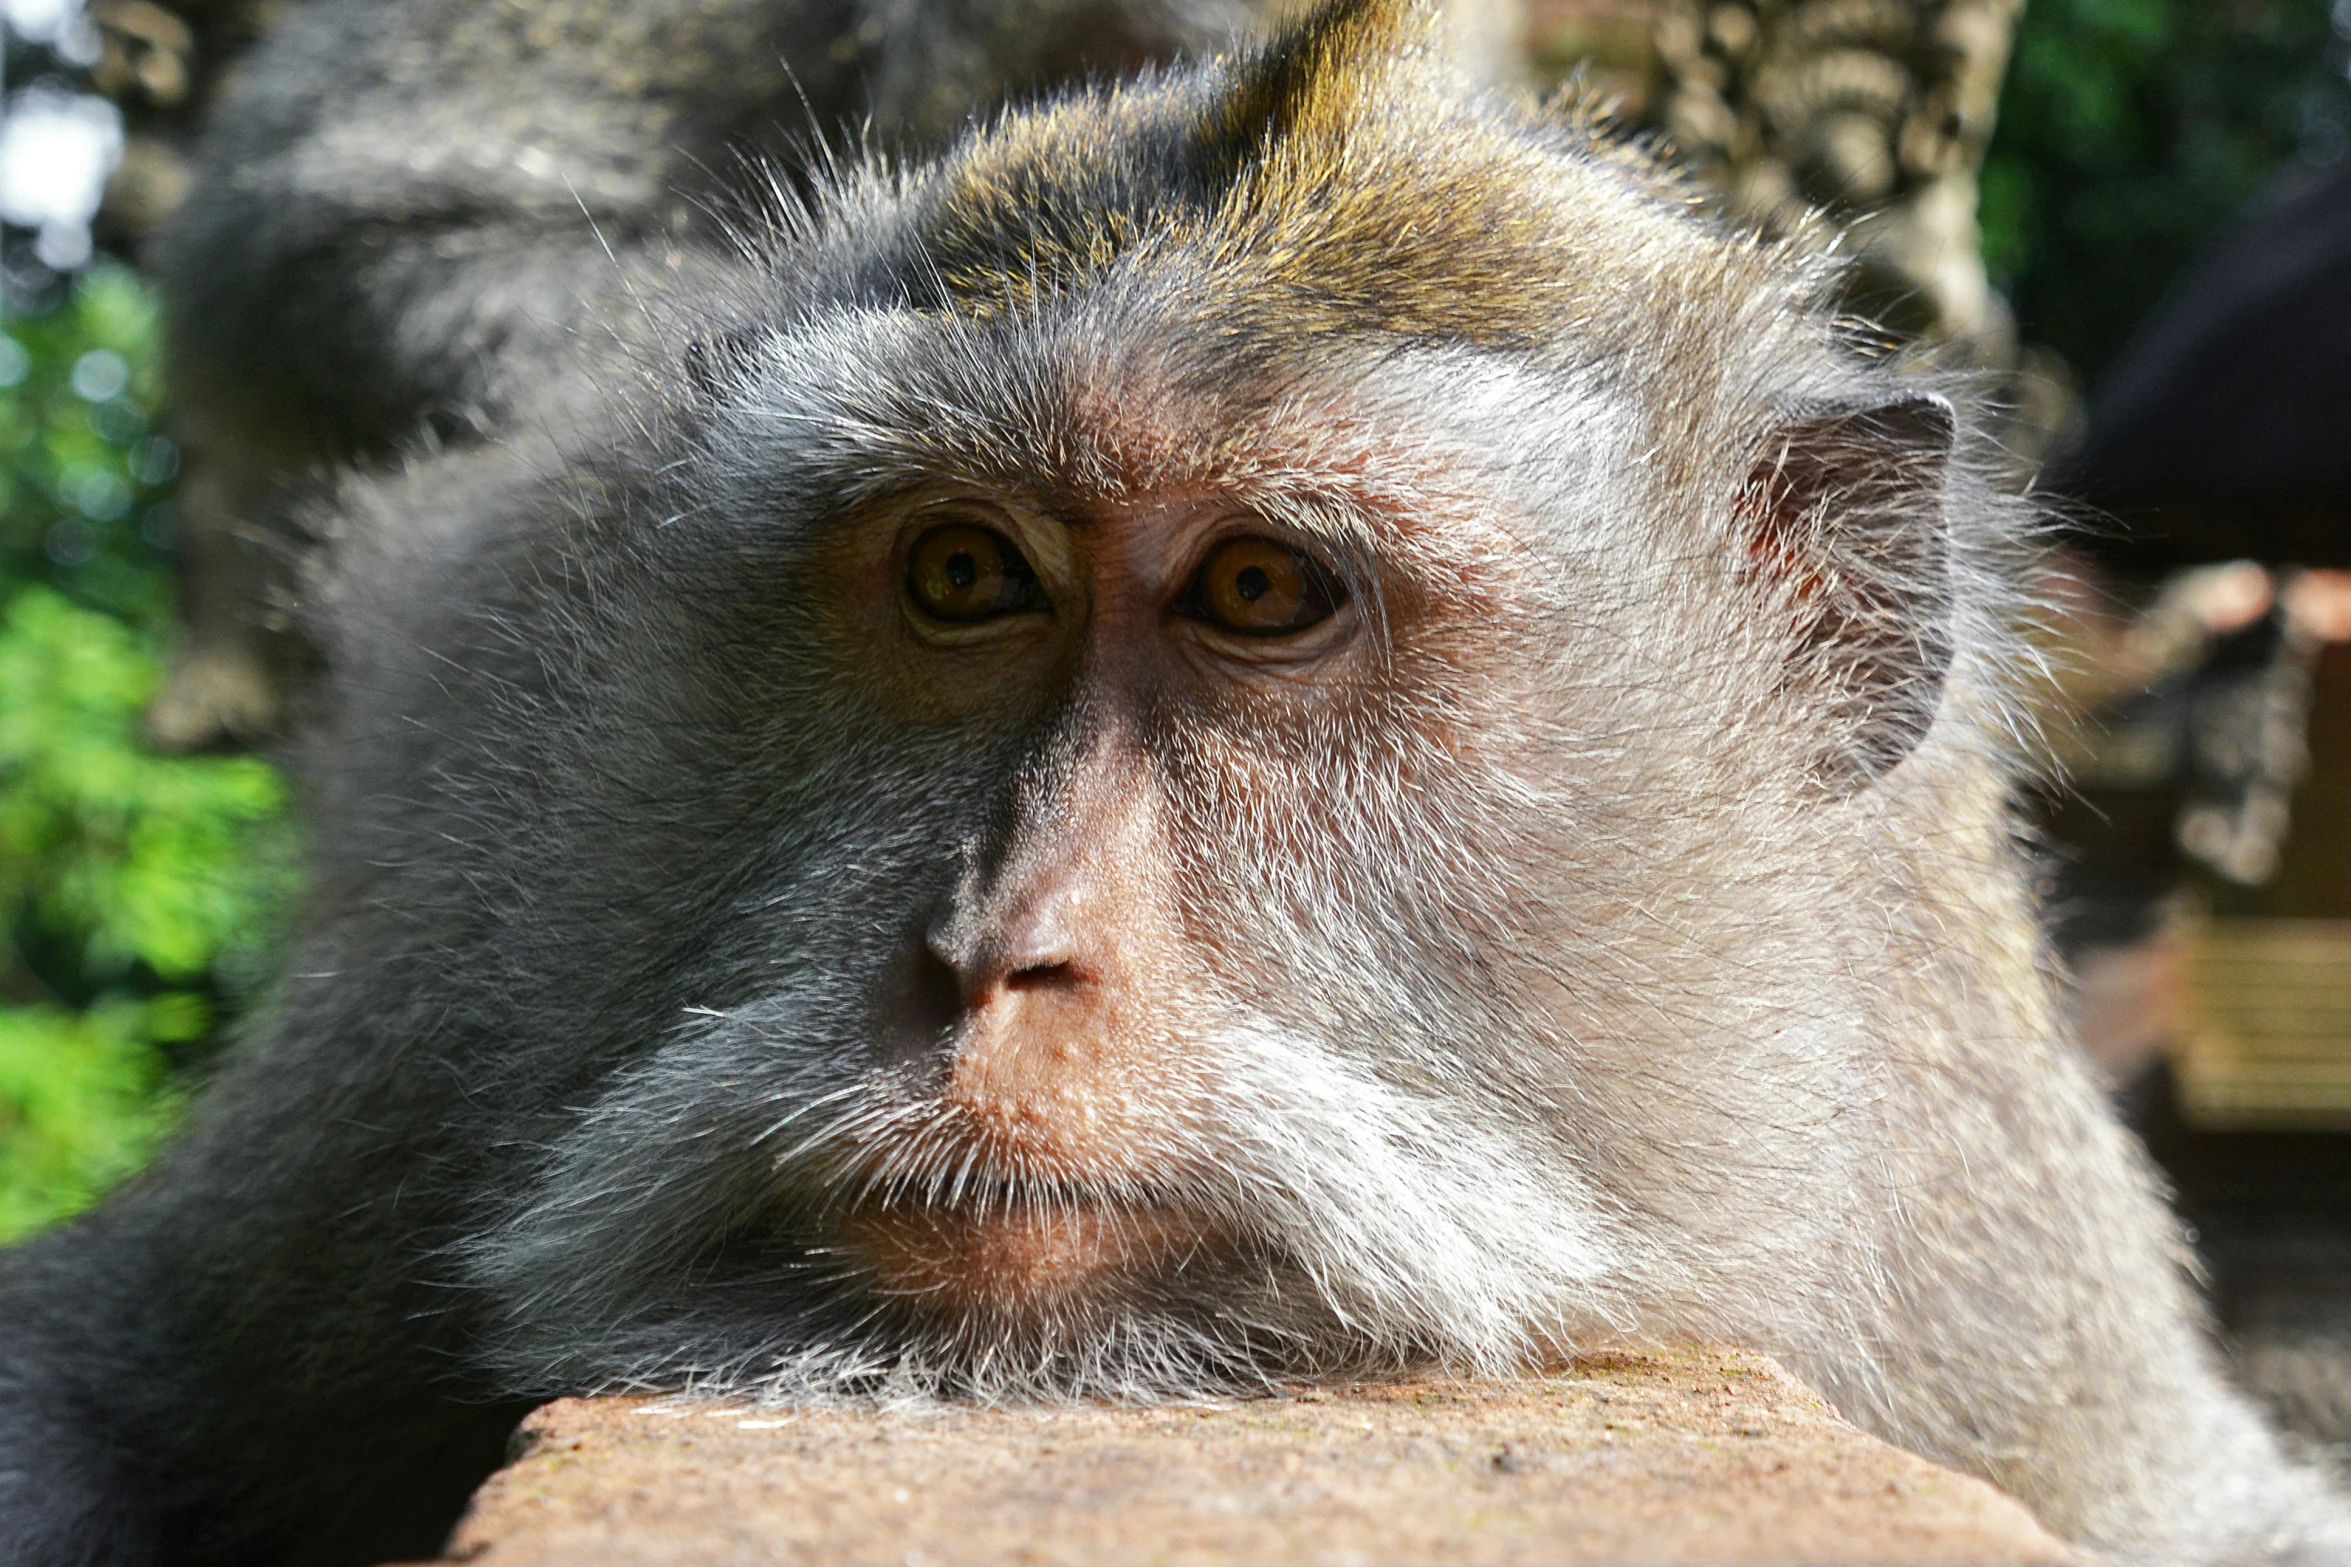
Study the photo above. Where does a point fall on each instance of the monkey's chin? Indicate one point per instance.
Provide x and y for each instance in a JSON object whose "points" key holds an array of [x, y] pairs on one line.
{"points": [[1014, 1257]]}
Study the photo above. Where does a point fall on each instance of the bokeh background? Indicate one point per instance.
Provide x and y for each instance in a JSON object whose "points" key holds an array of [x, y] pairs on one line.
{"points": [[2069, 202]]}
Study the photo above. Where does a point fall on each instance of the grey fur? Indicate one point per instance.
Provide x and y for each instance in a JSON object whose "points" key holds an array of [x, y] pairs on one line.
{"points": [[1633, 948]]}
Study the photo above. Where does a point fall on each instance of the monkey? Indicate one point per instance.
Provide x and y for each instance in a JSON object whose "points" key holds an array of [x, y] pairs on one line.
{"points": [[1272, 722]]}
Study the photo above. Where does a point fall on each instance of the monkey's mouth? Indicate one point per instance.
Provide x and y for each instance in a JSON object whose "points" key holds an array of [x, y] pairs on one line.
{"points": [[1013, 1246]]}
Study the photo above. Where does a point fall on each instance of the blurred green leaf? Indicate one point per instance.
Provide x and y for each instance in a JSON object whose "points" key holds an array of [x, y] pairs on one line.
{"points": [[84, 1097], [140, 895]]}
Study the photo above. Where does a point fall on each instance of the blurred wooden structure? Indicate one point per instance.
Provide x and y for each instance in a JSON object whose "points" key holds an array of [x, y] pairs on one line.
{"points": [[2266, 1036], [2224, 430], [2266, 977]]}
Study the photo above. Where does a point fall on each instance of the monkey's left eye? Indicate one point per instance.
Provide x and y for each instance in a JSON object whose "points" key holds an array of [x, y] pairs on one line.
{"points": [[963, 571], [1259, 587]]}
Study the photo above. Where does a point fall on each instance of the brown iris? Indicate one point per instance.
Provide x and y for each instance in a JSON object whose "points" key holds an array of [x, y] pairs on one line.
{"points": [[963, 571], [1258, 587]]}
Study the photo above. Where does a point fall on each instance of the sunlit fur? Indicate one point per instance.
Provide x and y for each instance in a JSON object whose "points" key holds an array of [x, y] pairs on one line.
{"points": [[1553, 997], [1590, 967]]}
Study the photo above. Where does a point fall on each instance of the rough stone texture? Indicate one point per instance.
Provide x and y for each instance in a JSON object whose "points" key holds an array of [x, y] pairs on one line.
{"points": [[1704, 1456]]}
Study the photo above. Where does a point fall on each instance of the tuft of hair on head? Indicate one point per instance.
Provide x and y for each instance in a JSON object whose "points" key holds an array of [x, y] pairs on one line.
{"points": [[1327, 70]]}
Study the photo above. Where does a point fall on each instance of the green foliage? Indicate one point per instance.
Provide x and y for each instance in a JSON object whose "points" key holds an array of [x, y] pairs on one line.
{"points": [[139, 894], [2129, 130], [83, 476]]}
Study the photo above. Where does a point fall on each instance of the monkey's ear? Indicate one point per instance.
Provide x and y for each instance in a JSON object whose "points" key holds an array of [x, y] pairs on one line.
{"points": [[1843, 516]]}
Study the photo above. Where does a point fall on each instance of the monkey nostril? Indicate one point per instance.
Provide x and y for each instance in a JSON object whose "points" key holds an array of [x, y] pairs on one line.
{"points": [[963, 981], [1040, 976], [933, 993]]}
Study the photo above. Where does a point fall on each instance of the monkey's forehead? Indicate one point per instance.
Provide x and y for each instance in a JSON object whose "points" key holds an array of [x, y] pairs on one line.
{"points": [[1117, 284], [1375, 198]]}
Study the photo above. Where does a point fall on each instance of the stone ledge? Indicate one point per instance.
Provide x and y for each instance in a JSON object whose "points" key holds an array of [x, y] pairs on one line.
{"points": [[1706, 1456]]}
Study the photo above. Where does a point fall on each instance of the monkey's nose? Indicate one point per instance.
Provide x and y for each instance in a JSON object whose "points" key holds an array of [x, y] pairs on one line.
{"points": [[1026, 941]]}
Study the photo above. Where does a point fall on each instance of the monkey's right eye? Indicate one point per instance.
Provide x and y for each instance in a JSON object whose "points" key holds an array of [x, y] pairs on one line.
{"points": [[963, 571]]}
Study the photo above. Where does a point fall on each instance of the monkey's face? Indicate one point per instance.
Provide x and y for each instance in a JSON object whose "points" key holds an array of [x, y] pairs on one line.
{"points": [[1216, 826], [1190, 887], [1142, 978]]}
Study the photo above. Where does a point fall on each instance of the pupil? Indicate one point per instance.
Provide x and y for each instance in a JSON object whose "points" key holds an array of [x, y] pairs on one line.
{"points": [[1252, 583], [962, 570]]}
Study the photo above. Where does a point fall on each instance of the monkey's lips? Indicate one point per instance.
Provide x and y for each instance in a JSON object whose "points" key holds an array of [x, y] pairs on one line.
{"points": [[1009, 1248]]}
